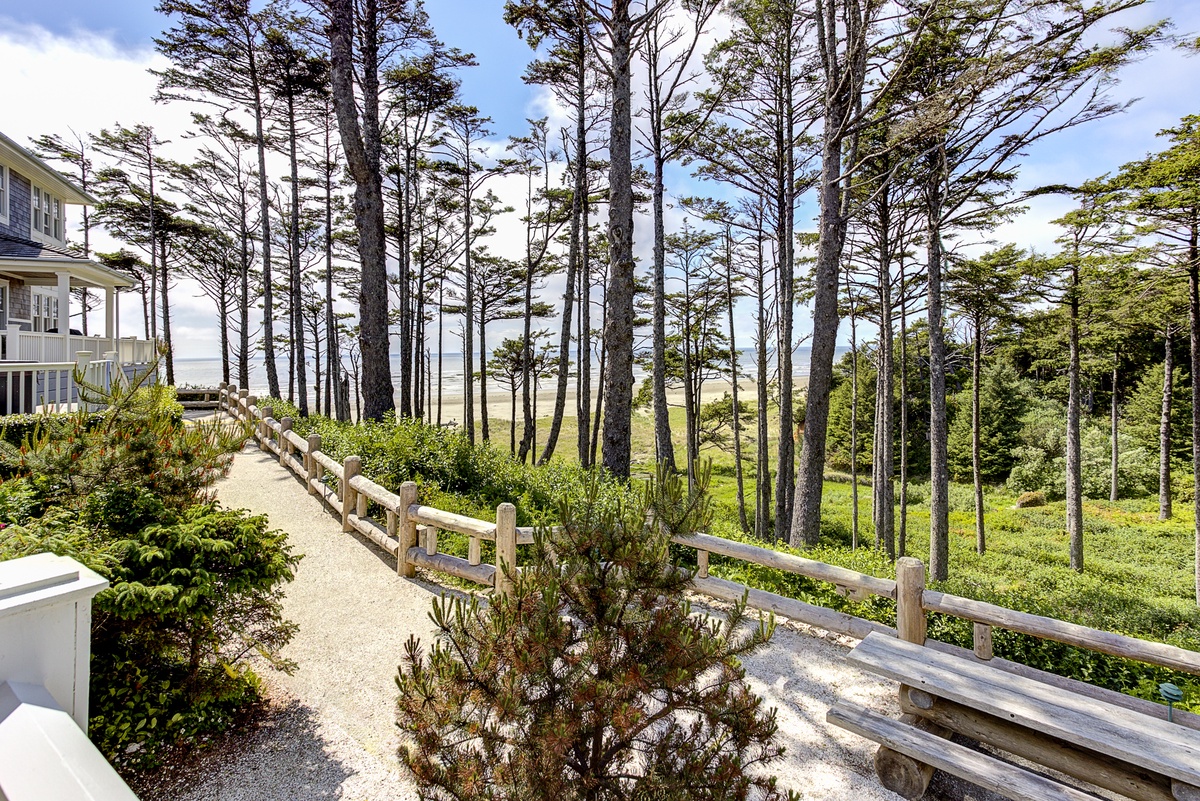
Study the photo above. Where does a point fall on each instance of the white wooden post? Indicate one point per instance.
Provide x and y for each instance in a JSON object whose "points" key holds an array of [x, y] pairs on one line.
{"points": [[45, 650], [64, 304], [46, 625], [110, 313]]}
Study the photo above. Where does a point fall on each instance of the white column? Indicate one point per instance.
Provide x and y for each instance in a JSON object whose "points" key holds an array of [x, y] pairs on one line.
{"points": [[110, 313], [64, 302]]}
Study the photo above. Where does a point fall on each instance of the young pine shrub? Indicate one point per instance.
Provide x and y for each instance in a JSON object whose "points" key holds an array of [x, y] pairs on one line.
{"points": [[593, 679]]}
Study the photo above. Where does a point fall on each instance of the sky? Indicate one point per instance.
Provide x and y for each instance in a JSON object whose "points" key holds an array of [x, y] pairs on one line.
{"points": [[82, 65]]}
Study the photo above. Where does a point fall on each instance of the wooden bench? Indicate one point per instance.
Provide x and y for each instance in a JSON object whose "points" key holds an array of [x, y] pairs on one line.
{"points": [[1105, 745]]}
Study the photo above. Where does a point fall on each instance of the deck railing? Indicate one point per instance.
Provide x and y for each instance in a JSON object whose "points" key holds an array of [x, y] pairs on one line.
{"points": [[409, 532], [33, 388], [17, 345]]}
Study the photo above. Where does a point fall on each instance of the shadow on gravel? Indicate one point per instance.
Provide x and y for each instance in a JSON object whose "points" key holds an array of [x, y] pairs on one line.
{"points": [[282, 757]]}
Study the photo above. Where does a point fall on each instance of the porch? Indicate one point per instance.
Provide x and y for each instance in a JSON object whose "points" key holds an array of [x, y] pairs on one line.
{"points": [[41, 316], [18, 345]]}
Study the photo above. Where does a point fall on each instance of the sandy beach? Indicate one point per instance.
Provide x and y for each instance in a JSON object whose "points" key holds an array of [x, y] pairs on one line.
{"points": [[499, 400]]}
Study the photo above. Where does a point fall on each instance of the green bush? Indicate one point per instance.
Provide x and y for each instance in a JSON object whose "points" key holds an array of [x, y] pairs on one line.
{"points": [[195, 589], [1040, 461], [442, 460], [1029, 500]]}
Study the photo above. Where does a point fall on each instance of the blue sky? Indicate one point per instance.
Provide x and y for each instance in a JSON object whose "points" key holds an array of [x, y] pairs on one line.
{"points": [[94, 55]]}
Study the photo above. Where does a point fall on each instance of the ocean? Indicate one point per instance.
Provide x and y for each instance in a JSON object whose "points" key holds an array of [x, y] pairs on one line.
{"points": [[207, 372]]}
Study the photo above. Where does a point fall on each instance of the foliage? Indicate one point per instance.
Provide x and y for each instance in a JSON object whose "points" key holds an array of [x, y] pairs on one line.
{"points": [[837, 455], [1143, 413], [1040, 462], [442, 460], [593, 679], [1003, 401], [195, 589], [1029, 500]]}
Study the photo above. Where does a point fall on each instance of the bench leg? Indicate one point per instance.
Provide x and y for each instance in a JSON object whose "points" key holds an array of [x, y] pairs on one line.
{"points": [[903, 775]]}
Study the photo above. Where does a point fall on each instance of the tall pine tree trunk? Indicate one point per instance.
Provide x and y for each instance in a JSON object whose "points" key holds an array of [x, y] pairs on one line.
{"points": [[1114, 418], [733, 370], [902, 533], [1074, 459], [264, 202], [618, 299], [578, 200], [1164, 431], [1193, 271], [664, 448], [806, 524], [939, 473], [166, 312], [297, 294], [884, 502], [362, 149], [584, 388], [762, 478], [853, 431], [976, 449]]}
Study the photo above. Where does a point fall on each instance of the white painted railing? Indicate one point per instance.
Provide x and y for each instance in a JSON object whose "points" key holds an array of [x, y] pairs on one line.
{"points": [[45, 647], [33, 388], [34, 346]]}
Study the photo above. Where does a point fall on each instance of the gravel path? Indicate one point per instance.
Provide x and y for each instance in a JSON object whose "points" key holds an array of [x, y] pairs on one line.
{"points": [[331, 733]]}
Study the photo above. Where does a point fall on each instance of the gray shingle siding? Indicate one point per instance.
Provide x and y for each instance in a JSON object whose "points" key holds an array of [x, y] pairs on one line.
{"points": [[18, 206]]}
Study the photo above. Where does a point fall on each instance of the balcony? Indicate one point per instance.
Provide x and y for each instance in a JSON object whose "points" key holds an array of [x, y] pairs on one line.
{"points": [[31, 346]]}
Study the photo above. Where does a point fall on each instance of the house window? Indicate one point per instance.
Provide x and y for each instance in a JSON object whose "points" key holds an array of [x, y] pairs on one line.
{"points": [[3, 194], [37, 312], [46, 215]]}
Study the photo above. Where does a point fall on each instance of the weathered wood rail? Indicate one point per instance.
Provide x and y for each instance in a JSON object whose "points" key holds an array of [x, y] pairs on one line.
{"points": [[409, 531]]}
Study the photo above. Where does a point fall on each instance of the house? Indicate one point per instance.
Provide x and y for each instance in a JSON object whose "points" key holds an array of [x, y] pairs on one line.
{"points": [[37, 273]]}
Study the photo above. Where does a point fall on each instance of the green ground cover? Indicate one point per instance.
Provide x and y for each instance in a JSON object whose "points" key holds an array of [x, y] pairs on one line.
{"points": [[1138, 578]]}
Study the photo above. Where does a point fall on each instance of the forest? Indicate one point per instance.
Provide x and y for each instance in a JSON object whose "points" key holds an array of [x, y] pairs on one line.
{"points": [[339, 203]]}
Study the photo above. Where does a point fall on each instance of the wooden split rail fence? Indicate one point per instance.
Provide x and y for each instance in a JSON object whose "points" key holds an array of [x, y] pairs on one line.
{"points": [[409, 531]]}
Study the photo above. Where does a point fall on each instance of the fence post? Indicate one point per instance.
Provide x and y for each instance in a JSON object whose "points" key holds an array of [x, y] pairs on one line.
{"points": [[222, 388], [350, 468], [506, 547], [406, 533], [983, 641], [910, 608], [314, 445], [264, 428], [285, 425], [242, 395]]}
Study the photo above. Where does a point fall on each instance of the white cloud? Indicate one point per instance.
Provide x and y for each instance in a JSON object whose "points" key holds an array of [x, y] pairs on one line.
{"points": [[84, 82]]}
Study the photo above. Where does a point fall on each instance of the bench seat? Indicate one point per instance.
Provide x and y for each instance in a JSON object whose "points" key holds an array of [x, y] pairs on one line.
{"points": [[1004, 778]]}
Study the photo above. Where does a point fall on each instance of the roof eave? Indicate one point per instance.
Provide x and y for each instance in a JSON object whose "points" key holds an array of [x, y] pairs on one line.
{"points": [[44, 173], [88, 270]]}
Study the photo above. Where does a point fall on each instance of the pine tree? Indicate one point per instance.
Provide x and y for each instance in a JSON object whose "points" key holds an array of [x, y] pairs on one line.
{"points": [[651, 703]]}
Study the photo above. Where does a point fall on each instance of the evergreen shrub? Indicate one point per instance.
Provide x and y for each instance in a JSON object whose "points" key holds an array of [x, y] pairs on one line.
{"points": [[194, 589]]}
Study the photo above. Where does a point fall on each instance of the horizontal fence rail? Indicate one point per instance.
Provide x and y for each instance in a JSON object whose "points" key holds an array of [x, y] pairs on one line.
{"points": [[409, 532]]}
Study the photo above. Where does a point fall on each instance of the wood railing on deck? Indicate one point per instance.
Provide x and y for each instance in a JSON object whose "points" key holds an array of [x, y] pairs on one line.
{"points": [[409, 532]]}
